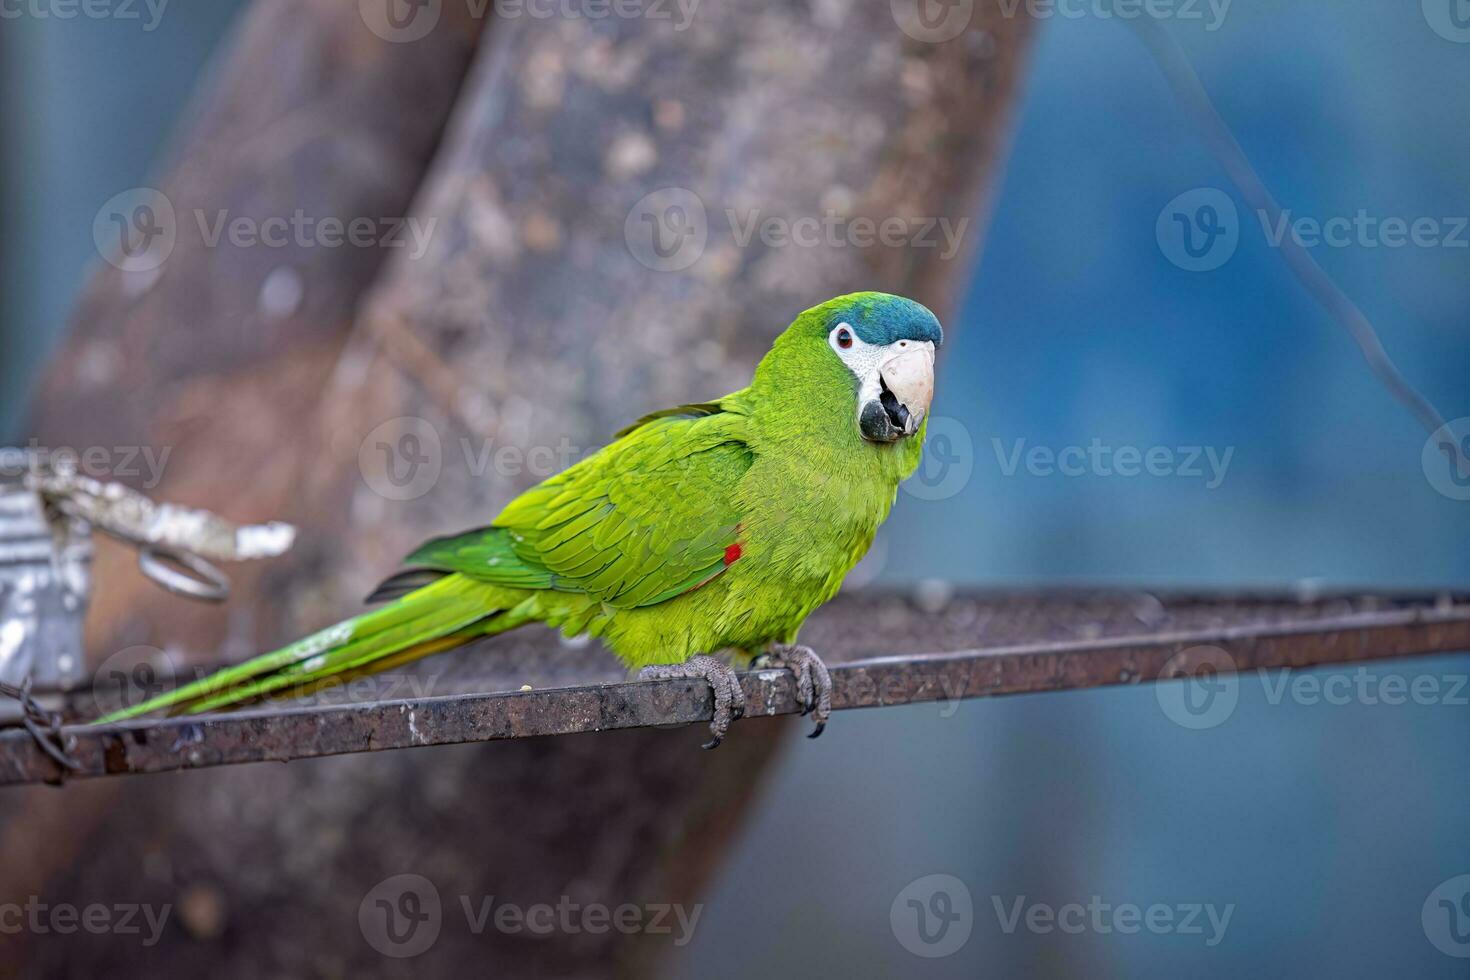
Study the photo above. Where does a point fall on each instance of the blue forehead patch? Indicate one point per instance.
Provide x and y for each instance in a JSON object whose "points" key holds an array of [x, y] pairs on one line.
{"points": [[882, 319]]}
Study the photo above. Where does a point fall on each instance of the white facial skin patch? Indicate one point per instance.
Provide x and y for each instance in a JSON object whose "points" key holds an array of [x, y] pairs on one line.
{"points": [[867, 361]]}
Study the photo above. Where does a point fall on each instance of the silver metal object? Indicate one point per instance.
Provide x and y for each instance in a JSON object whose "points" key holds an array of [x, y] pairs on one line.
{"points": [[132, 517], [45, 576], [203, 581], [48, 512]]}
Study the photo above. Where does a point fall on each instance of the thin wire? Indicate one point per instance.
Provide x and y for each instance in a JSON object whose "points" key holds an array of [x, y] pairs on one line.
{"points": [[45, 728], [1185, 82]]}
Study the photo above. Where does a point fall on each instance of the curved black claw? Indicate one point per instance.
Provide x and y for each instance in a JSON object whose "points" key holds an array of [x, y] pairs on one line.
{"points": [[729, 695], [813, 682]]}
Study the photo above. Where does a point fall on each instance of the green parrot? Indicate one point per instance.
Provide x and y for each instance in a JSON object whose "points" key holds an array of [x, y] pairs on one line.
{"points": [[703, 529]]}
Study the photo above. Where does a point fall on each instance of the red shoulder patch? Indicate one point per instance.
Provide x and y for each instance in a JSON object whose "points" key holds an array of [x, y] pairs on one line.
{"points": [[732, 554]]}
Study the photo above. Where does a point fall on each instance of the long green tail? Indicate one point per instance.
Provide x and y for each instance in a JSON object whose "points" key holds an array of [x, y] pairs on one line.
{"points": [[439, 616]]}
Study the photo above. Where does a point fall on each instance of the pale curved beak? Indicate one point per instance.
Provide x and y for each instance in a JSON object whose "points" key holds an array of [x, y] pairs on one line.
{"points": [[910, 376], [906, 390]]}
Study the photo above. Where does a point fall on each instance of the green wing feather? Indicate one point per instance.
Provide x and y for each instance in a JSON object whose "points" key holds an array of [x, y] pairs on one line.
{"points": [[694, 411], [648, 518]]}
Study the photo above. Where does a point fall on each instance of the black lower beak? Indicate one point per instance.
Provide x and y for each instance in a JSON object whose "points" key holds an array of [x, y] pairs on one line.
{"points": [[885, 419], [876, 425]]}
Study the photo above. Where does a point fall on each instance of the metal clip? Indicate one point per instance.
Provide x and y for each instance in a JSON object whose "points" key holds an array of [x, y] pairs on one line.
{"points": [[203, 581], [177, 545]]}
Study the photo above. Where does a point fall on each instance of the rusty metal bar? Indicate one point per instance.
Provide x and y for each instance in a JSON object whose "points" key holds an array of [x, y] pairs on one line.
{"points": [[1408, 628]]}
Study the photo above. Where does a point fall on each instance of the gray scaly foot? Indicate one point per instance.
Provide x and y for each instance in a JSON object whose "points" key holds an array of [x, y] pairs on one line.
{"points": [[729, 695], [813, 682]]}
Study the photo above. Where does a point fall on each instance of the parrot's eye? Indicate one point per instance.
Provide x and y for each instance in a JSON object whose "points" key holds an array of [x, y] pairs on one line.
{"points": [[844, 338]]}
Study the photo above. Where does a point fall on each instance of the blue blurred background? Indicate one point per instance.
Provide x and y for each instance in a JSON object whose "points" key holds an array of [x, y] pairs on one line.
{"points": [[1324, 826]]}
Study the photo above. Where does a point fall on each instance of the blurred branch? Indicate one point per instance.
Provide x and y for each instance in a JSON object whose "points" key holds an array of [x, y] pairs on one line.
{"points": [[417, 360]]}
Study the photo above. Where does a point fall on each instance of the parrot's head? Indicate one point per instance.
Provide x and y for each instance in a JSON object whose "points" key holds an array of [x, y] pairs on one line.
{"points": [[877, 351]]}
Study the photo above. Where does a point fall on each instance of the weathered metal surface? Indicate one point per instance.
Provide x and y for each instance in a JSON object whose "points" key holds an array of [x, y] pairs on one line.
{"points": [[1248, 634]]}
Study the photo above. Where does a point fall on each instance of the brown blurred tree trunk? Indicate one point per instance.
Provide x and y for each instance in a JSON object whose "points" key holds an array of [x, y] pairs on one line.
{"points": [[533, 320], [214, 356]]}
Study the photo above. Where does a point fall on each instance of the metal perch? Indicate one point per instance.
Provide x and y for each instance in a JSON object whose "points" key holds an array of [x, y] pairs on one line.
{"points": [[965, 647]]}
